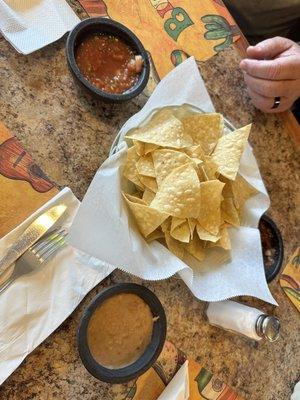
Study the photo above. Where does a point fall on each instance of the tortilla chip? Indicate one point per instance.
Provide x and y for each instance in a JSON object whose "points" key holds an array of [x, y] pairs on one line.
{"points": [[202, 174], [182, 232], [195, 151], [210, 168], [149, 147], [227, 190], [192, 224], [157, 234], [204, 235], [135, 199], [149, 182], [205, 129], [196, 248], [166, 160], [210, 210], [165, 226], [242, 191], [147, 218], [145, 166], [224, 241], [140, 147], [174, 245], [148, 196], [130, 172], [179, 193], [175, 222], [197, 161], [163, 130], [229, 150], [229, 212], [137, 193]]}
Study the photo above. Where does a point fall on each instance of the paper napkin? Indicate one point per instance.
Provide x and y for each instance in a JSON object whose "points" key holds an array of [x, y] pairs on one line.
{"points": [[34, 305], [178, 388], [32, 24]]}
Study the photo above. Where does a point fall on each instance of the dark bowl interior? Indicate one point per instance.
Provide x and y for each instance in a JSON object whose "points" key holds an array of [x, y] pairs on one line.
{"points": [[151, 353], [106, 26], [275, 242]]}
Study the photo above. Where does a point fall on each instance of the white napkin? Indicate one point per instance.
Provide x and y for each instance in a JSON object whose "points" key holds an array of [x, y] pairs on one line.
{"points": [[30, 25], [178, 388], [35, 305], [104, 229], [296, 392]]}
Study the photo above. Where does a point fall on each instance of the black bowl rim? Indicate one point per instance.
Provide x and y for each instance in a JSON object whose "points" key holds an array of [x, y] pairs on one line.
{"points": [[150, 355], [132, 38], [275, 268]]}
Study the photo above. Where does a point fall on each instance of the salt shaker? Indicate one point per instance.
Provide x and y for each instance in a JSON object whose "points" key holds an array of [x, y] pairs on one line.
{"points": [[244, 320]]}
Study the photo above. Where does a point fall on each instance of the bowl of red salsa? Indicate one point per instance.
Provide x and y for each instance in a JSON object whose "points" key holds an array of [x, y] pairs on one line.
{"points": [[107, 59]]}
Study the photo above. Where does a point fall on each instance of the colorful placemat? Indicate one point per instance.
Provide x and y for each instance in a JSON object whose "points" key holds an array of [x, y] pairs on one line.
{"points": [[23, 186], [203, 384], [173, 30], [290, 279]]}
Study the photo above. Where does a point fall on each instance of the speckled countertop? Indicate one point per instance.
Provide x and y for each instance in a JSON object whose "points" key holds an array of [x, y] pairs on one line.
{"points": [[69, 136]]}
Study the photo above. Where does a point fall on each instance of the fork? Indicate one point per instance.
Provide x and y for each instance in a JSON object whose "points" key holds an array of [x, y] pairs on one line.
{"points": [[37, 255]]}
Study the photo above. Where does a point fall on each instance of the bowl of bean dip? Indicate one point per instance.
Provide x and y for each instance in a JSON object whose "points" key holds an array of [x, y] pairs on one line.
{"points": [[121, 333], [107, 60]]}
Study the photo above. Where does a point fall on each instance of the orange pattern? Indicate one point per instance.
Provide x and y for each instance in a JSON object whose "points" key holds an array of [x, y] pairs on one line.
{"points": [[171, 30], [290, 279], [23, 186], [203, 384]]}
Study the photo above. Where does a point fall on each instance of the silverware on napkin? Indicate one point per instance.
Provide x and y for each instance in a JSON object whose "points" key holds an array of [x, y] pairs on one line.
{"points": [[31, 235], [37, 255]]}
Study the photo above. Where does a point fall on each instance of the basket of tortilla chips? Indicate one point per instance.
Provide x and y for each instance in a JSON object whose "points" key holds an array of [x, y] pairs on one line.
{"points": [[180, 193], [185, 188]]}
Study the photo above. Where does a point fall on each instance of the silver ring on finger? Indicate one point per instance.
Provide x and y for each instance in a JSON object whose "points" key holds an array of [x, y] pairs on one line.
{"points": [[276, 103]]}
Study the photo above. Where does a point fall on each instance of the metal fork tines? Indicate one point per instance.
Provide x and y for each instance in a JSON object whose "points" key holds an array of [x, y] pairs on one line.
{"points": [[45, 248], [37, 255]]}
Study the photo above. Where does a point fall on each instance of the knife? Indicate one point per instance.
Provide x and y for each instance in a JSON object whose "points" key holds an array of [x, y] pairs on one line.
{"points": [[31, 234]]}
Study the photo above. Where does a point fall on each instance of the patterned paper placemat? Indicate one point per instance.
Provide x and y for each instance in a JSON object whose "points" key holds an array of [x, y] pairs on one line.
{"points": [[290, 279], [23, 185], [203, 384], [172, 30]]}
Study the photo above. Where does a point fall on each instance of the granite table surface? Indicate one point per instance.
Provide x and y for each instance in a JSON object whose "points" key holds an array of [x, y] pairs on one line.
{"points": [[69, 135]]}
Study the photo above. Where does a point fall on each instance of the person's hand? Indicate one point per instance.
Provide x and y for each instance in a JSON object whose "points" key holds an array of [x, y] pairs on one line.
{"points": [[271, 70]]}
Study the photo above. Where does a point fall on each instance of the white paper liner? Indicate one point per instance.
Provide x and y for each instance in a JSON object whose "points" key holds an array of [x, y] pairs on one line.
{"points": [[104, 229]]}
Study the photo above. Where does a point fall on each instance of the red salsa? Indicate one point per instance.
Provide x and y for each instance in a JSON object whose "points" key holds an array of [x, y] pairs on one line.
{"points": [[108, 63], [268, 245]]}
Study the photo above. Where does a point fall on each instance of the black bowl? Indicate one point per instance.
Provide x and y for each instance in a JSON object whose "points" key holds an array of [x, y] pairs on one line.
{"points": [[151, 353], [275, 242], [108, 26]]}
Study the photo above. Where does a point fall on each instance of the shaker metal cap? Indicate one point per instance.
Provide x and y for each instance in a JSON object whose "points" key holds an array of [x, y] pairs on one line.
{"points": [[269, 327]]}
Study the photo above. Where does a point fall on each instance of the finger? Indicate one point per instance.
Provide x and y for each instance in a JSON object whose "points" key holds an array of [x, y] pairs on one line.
{"points": [[265, 104], [260, 101], [278, 69], [269, 48], [271, 88]]}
